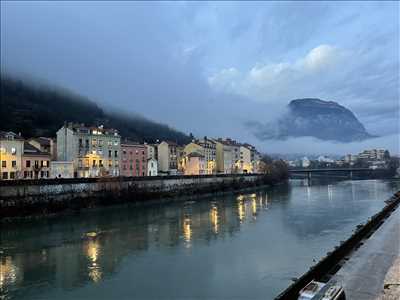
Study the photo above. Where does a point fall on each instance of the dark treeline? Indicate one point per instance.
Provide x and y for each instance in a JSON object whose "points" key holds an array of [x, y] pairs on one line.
{"points": [[40, 111], [275, 171]]}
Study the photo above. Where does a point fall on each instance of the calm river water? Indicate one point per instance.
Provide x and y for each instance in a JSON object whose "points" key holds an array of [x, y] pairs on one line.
{"points": [[243, 246]]}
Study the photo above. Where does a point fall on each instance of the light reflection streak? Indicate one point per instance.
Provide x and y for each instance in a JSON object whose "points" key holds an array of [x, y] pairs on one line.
{"points": [[241, 210], [92, 253], [214, 218], [187, 230], [254, 207], [8, 272]]}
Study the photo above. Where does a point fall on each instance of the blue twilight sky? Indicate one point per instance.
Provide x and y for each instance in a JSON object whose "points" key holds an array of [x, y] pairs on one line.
{"points": [[208, 68]]}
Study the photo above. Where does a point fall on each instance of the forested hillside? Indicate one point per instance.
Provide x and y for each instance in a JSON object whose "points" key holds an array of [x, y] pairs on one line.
{"points": [[41, 111]]}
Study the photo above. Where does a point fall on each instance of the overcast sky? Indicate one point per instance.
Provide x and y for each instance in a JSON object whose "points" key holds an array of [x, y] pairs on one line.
{"points": [[208, 68]]}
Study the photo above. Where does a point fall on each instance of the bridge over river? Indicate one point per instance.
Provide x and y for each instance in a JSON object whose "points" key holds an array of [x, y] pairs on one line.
{"points": [[331, 172]]}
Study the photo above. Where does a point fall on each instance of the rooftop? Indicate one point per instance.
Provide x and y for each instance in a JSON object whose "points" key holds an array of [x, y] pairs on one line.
{"points": [[31, 150]]}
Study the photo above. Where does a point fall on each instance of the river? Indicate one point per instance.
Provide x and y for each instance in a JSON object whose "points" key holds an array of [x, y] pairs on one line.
{"points": [[242, 246]]}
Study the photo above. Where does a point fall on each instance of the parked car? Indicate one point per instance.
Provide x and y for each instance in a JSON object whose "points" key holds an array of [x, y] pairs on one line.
{"points": [[322, 291]]}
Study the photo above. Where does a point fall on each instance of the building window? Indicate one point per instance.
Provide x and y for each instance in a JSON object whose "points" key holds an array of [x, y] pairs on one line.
{"points": [[28, 163], [14, 163], [100, 163], [94, 163], [12, 175], [4, 164], [13, 151], [5, 175], [41, 174], [87, 143], [115, 153], [109, 153], [80, 143], [47, 163], [25, 174], [36, 164], [41, 163], [131, 167], [80, 163]]}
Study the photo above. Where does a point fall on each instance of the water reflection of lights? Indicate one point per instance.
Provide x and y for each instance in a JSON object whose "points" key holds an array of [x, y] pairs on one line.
{"points": [[308, 189], [241, 211], [187, 230], [8, 272], [214, 218], [265, 206], [254, 207], [330, 192], [92, 253]]}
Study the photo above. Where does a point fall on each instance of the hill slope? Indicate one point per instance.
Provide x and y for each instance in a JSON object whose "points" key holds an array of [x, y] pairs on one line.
{"points": [[41, 111], [325, 120]]}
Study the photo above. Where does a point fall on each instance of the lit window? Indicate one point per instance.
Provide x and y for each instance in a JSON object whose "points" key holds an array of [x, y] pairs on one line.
{"points": [[14, 163], [13, 150]]}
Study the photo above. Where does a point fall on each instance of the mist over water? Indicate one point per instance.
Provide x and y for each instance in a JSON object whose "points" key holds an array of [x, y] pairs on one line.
{"points": [[244, 246]]}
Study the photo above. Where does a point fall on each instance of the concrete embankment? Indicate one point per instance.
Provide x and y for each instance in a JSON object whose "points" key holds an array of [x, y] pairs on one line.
{"points": [[38, 197], [354, 276]]}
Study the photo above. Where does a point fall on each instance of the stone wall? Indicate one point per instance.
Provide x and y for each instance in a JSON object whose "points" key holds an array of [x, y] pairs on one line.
{"points": [[30, 197]]}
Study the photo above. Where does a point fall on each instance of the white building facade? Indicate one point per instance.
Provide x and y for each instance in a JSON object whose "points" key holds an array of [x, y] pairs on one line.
{"points": [[94, 151]]}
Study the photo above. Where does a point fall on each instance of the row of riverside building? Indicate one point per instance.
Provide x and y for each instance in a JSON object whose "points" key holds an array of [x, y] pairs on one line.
{"points": [[81, 151]]}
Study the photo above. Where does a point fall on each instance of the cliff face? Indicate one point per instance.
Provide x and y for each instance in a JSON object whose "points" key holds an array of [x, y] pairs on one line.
{"points": [[325, 120]]}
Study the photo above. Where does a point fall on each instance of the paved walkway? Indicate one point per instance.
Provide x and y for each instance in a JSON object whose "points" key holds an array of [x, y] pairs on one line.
{"points": [[372, 272]]}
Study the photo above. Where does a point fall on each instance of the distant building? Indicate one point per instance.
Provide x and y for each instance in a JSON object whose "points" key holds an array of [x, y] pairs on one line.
{"points": [[11, 152], [95, 151], [133, 159], [305, 162], [151, 151], [195, 164], [255, 158], [350, 158], [245, 165], [374, 154], [152, 167], [226, 155], [167, 157], [205, 147], [61, 169], [325, 159], [35, 163]]}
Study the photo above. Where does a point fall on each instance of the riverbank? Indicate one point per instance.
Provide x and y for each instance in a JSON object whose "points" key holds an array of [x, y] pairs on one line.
{"points": [[372, 271], [43, 197], [354, 280]]}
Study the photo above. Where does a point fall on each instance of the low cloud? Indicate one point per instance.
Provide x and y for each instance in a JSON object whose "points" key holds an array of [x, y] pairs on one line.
{"points": [[282, 81]]}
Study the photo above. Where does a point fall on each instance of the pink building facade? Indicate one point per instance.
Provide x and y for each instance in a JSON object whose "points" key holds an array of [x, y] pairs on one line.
{"points": [[133, 159]]}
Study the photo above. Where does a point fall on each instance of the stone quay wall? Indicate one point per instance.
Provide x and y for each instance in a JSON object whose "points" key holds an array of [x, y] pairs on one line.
{"points": [[40, 197]]}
